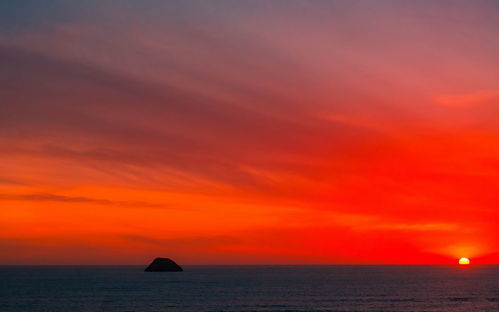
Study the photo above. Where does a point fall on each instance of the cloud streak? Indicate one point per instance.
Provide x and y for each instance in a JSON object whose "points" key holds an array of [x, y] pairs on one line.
{"points": [[41, 197]]}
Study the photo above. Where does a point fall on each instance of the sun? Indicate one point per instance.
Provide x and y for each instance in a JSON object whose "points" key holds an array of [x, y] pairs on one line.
{"points": [[464, 261]]}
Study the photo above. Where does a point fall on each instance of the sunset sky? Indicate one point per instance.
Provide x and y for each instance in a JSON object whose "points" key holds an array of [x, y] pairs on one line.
{"points": [[249, 132]]}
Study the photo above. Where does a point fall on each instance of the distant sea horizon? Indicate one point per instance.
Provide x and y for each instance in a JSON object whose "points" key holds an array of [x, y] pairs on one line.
{"points": [[262, 265], [247, 288]]}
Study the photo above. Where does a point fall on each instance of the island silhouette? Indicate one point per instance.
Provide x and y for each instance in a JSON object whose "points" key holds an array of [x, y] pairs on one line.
{"points": [[163, 265]]}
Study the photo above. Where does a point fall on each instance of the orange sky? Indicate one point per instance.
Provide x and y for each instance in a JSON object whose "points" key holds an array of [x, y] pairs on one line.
{"points": [[249, 132]]}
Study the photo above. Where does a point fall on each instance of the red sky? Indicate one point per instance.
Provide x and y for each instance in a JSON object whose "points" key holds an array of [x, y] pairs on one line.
{"points": [[251, 132]]}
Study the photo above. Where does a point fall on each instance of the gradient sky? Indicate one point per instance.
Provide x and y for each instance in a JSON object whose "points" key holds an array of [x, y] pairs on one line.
{"points": [[249, 132]]}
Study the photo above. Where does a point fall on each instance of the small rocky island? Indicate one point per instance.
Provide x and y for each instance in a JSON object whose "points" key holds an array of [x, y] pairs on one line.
{"points": [[163, 265]]}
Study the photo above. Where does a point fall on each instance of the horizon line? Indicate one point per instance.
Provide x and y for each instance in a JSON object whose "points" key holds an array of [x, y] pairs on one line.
{"points": [[235, 265]]}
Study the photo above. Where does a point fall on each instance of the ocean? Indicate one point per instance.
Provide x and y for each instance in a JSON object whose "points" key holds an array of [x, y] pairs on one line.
{"points": [[250, 288]]}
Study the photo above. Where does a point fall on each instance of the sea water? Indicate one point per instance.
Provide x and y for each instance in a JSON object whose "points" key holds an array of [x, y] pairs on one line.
{"points": [[250, 288]]}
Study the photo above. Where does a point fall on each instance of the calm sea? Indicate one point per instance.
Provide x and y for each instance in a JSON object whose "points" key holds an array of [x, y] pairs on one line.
{"points": [[250, 288]]}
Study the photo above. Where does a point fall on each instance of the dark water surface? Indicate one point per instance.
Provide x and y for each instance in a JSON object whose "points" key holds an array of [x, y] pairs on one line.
{"points": [[250, 288]]}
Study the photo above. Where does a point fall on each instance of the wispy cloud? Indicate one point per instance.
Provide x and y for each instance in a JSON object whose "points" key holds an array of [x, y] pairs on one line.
{"points": [[466, 100], [77, 199]]}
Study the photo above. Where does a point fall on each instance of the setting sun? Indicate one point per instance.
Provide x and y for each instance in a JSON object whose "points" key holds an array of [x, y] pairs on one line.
{"points": [[464, 261]]}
